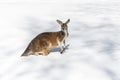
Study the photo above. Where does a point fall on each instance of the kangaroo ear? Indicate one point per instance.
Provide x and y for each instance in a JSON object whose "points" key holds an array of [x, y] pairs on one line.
{"points": [[67, 21], [59, 22]]}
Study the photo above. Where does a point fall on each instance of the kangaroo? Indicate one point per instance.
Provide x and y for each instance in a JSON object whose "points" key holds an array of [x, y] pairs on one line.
{"points": [[44, 42]]}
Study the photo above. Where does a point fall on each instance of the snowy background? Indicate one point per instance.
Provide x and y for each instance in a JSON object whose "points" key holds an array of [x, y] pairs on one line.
{"points": [[93, 51]]}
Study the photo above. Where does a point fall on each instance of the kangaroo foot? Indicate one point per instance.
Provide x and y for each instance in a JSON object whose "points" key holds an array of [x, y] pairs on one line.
{"points": [[62, 51]]}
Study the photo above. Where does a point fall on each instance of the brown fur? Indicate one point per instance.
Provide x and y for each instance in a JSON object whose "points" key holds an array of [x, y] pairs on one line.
{"points": [[44, 42]]}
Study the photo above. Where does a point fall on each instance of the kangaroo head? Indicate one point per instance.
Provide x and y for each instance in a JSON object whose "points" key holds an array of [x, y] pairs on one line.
{"points": [[64, 26]]}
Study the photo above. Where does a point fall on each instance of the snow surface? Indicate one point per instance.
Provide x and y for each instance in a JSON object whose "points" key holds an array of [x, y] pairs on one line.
{"points": [[93, 45]]}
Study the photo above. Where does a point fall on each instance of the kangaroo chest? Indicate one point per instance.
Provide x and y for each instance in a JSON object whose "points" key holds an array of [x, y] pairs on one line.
{"points": [[62, 35], [66, 34]]}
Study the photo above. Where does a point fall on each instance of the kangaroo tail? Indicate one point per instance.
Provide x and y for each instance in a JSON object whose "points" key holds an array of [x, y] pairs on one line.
{"points": [[26, 52]]}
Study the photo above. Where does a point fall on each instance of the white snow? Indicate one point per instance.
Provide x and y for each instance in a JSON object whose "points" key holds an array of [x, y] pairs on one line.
{"points": [[93, 42]]}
